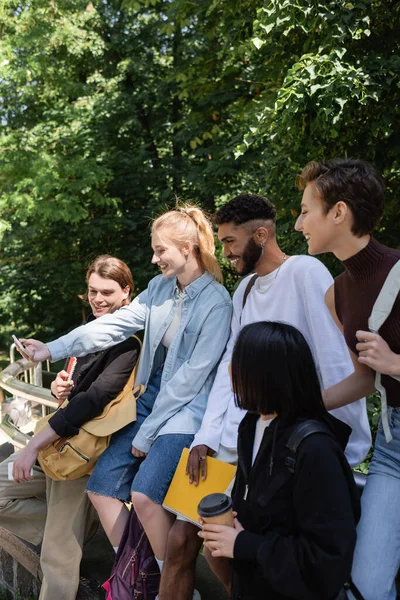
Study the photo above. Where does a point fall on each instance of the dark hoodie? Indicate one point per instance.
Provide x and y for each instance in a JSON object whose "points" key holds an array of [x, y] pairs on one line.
{"points": [[300, 528]]}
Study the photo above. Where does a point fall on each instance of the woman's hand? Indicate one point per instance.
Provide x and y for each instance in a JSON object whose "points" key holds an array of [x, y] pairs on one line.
{"points": [[138, 453], [220, 539], [197, 461], [24, 463], [35, 350], [61, 387], [374, 352]]}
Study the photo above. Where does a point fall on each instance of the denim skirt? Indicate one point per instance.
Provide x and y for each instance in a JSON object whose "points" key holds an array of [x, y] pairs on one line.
{"points": [[117, 471]]}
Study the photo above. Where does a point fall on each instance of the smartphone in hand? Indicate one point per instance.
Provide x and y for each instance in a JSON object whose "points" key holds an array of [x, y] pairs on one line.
{"points": [[20, 347]]}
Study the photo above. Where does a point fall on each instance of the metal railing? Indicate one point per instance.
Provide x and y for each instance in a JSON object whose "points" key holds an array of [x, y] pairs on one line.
{"points": [[32, 390], [23, 380], [34, 373]]}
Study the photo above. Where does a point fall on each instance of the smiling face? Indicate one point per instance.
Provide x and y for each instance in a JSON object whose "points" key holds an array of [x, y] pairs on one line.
{"points": [[167, 256], [315, 223], [240, 248], [105, 295]]}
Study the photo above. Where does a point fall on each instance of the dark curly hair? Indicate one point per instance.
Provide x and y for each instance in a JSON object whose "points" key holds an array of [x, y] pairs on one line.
{"points": [[354, 182], [244, 208]]}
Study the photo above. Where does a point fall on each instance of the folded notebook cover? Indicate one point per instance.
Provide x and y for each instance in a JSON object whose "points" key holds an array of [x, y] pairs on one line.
{"points": [[183, 497]]}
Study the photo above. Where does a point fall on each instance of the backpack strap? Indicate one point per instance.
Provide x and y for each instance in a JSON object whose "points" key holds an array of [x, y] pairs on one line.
{"points": [[350, 585], [247, 292], [248, 289], [300, 432], [380, 312], [386, 299]]}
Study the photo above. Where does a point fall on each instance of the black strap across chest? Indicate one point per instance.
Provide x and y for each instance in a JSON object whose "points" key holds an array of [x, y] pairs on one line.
{"points": [[248, 289], [302, 431]]}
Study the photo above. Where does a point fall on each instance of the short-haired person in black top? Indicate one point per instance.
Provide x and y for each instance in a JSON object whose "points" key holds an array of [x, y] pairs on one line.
{"points": [[59, 513], [295, 529], [341, 206]]}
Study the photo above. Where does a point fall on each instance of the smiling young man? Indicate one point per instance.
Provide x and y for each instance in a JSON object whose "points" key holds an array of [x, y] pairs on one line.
{"points": [[58, 514], [290, 289]]}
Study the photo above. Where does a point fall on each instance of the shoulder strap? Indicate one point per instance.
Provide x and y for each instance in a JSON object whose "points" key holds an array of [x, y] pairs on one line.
{"points": [[380, 312], [300, 432], [131, 381], [303, 430], [350, 585], [386, 299], [248, 289]]}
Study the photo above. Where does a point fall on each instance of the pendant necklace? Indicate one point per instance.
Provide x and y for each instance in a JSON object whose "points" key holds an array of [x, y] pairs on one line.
{"points": [[264, 291]]}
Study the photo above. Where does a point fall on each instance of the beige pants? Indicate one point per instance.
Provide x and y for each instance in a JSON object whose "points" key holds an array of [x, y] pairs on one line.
{"points": [[56, 513]]}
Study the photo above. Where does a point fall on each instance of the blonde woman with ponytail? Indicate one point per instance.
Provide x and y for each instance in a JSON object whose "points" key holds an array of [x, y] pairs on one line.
{"points": [[185, 314]]}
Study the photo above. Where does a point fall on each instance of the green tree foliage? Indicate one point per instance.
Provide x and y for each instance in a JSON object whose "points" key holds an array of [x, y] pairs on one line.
{"points": [[111, 109], [334, 67]]}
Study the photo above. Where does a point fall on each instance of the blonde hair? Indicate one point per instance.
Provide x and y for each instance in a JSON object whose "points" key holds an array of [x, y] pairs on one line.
{"points": [[190, 223]]}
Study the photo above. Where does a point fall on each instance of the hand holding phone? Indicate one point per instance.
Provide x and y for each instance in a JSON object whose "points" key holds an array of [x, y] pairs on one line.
{"points": [[31, 349], [21, 348], [19, 344]]}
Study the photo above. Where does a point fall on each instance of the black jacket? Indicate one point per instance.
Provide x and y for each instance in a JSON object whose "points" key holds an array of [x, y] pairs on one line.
{"points": [[300, 528], [98, 379]]}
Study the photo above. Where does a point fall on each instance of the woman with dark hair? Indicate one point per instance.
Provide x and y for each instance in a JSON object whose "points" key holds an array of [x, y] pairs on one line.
{"points": [[58, 514], [295, 530], [341, 206]]}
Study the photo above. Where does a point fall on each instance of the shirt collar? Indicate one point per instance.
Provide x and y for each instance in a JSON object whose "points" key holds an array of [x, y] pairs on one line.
{"points": [[194, 288]]}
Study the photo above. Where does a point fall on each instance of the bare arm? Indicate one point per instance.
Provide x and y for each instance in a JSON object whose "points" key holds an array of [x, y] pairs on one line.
{"points": [[355, 386], [28, 456]]}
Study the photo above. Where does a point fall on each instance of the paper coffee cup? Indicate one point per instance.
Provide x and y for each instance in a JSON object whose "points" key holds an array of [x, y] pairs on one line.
{"points": [[216, 509]]}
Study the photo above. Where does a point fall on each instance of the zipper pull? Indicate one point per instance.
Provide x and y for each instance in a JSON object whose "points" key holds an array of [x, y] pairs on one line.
{"points": [[271, 463], [246, 491]]}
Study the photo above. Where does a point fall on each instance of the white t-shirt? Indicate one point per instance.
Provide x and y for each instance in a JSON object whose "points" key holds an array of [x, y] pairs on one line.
{"points": [[296, 295], [261, 426], [174, 326]]}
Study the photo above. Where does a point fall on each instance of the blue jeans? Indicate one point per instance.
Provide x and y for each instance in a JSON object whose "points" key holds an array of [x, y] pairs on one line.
{"points": [[158, 468], [377, 554]]}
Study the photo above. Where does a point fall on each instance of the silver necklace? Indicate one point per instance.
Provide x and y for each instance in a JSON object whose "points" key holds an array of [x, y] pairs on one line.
{"points": [[264, 291]]}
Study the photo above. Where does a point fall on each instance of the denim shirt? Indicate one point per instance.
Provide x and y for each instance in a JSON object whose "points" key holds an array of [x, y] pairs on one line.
{"points": [[191, 360]]}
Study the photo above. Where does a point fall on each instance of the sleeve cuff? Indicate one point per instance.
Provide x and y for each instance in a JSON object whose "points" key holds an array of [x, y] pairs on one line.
{"points": [[247, 545], [61, 426], [57, 350], [141, 443], [209, 438]]}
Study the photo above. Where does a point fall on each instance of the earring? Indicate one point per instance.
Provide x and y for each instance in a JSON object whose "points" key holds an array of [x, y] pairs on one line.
{"points": [[262, 248]]}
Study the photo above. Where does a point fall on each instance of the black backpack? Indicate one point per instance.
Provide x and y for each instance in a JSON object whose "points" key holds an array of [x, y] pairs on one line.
{"points": [[300, 432]]}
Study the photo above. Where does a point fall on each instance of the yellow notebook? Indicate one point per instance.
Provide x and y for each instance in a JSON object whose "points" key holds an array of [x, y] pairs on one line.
{"points": [[183, 497]]}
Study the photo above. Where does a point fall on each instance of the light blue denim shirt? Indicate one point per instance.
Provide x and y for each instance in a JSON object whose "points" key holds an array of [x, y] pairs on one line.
{"points": [[191, 360]]}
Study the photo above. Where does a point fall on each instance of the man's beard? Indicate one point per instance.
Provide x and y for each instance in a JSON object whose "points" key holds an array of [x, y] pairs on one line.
{"points": [[250, 257]]}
